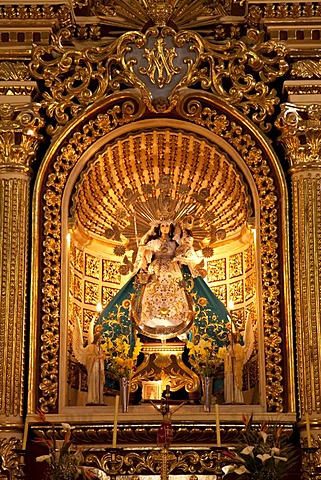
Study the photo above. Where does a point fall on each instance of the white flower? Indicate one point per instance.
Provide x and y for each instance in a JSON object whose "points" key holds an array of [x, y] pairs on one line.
{"points": [[264, 435], [66, 426], [275, 451], [264, 457], [229, 468], [43, 458], [247, 450], [241, 470]]}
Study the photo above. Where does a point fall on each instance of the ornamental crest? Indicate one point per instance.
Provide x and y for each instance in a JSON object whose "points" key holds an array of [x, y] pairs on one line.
{"points": [[159, 62], [160, 69]]}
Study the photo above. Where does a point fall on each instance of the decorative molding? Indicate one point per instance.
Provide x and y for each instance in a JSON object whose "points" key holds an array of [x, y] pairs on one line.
{"points": [[306, 69], [238, 71], [19, 135], [137, 14], [144, 433], [301, 134], [36, 11], [137, 452], [14, 71], [282, 10], [19, 139], [306, 196], [11, 465]]}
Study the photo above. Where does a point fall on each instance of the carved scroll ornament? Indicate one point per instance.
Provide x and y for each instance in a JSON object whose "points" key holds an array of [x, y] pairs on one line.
{"points": [[159, 63]]}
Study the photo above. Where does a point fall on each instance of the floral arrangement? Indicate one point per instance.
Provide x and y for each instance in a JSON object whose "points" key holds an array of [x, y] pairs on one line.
{"points": [[263, 453], [121, 356], [203, 356], [65, 460]]}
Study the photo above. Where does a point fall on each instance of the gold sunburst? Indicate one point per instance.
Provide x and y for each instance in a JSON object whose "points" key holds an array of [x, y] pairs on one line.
{"points": [[136, 14]]}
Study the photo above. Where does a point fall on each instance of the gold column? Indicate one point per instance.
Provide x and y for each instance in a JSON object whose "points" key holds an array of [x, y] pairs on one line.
{"points": [[19, 140], [301, 137]]}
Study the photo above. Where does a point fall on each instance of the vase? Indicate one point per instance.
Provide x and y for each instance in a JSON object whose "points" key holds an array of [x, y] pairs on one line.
{"points": [[124, 393], [207, 389]]}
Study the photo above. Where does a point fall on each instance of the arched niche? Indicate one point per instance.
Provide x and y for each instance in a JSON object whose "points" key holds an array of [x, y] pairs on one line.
{"points": [[105, 147]]}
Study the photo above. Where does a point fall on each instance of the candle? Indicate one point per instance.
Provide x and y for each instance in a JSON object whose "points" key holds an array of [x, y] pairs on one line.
{"points": [[307, 426], [25, 434], [217, 421], [115, 421]]}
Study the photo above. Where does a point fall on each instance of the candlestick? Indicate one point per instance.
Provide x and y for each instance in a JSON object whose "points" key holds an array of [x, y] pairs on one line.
{"points": [[25, 434], [217, 421], [115, 421], [308, 430]]}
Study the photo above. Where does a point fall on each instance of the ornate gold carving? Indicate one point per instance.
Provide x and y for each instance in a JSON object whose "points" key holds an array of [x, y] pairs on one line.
{"points": [[216, 270], [111, 272], [236, 291], [10, 459], [111, 173], [306, 69], [26, 89], [32, 12], [144, 434], [91, 293], [243, 91], [92, 266], [236, 265], [301, 134], [19, 137], [88, 316], [78, 287], [135, 14], [81, 3], [77, 258], [247, 147], [125, 111], [108, 294], [280, 11], [193, 110], [164, 362], [160, 69], [248, 258], [303, 87], [229, 70], [14, 71], [221, 292], [306, 187], [150, 462], [250, 282]]}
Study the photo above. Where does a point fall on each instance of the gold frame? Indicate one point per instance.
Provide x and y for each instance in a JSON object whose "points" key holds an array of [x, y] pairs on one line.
{"points": [[153, 387], [197, 111]]}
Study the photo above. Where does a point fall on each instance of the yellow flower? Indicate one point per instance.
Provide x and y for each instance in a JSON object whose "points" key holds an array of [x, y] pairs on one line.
{"points": [[203, 356], [122, 361], [221, 353]]}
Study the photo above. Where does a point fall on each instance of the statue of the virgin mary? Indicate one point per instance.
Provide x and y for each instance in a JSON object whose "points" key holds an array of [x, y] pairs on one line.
{"points": [[166, 296]]}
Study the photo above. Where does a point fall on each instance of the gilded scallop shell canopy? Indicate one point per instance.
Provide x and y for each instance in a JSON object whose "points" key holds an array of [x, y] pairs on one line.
{"points": [[159, 174]]}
